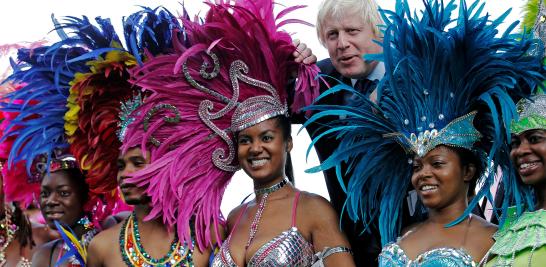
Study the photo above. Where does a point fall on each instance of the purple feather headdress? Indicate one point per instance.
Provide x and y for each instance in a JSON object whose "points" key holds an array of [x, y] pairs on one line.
{"points": [[235, 61]]}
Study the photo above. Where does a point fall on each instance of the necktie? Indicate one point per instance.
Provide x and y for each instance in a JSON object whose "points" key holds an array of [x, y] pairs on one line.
{"points": [[365, 86]]}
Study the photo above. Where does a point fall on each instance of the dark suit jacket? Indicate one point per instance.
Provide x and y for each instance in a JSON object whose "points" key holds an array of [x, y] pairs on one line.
{"points": [[367, 245]]}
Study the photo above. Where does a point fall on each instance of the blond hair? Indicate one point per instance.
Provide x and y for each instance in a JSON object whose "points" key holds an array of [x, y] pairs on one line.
{"points": [[337, 9]]}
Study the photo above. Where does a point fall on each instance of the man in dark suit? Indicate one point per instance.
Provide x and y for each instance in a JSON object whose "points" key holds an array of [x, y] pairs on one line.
{"points": [[348, 29]]}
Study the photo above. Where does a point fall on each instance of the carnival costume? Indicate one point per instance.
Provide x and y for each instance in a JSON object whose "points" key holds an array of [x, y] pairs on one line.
{"points": [[40, 104], [17, 191], [439, 83], [231, 74], [149, 33], [521, 241]]}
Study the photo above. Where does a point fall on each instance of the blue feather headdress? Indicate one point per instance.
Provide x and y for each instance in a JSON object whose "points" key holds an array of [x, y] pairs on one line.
{"points": [[443, 78], [46, 73], [151, 31], [41, 103]]}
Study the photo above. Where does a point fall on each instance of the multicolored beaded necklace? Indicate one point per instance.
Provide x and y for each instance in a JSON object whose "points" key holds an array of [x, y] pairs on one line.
{"points": [[133, 252]]}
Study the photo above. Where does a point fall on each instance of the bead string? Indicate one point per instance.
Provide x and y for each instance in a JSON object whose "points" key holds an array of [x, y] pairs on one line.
{"points": [[256, 221], [133, 252], [7, 232], [261, 207]]}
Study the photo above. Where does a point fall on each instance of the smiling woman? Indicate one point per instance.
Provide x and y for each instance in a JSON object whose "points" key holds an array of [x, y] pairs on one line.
{"points": [[263, 150], [514, 245], [445, 175], [287, 236], [63, 195], [444, 179]]}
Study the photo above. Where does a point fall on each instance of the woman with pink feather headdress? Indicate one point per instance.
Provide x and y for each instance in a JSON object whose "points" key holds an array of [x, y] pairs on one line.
{"points": [[217, 104]]}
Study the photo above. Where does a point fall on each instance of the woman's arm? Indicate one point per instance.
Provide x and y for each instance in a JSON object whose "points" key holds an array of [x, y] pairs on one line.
{"points": [[325, 231], [204, 258]]}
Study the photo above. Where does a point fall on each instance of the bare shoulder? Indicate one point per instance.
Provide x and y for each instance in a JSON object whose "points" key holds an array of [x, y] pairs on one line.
{"points": [[409, 229], [103, 240], [479, 226], [318, 208], [311, 202], [42, 253], [233, 215], [100, 249]]}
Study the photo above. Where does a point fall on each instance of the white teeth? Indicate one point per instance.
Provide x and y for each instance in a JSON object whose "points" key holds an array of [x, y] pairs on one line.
{"points": [[527, 165], [428, 187], [258, 162]]}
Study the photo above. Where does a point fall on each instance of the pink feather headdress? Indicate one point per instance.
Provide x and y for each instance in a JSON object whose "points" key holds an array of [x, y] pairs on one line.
{"points": [[231, 72]]}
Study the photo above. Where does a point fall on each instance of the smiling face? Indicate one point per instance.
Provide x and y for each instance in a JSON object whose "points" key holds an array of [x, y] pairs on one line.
{"points": [[262, 151], [347, 40], [440, 179], [62, 198], [129, 163], [528, 155]]}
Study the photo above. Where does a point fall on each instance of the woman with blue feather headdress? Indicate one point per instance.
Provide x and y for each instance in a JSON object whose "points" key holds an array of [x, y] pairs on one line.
{"points": [[440, 125]]}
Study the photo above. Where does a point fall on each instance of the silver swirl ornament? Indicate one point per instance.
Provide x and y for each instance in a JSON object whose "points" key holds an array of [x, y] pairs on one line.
{"points": [[206, 114], [151, 113]]}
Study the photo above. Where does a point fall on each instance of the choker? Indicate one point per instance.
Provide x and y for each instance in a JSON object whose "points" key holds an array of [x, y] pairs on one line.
{"points": [[272, 188]]}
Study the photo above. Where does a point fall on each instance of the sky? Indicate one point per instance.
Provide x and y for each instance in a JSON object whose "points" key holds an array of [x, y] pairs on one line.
{"points": [[30, 20]]}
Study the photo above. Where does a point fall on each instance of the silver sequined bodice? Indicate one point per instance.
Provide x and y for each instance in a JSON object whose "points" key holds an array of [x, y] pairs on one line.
{"points": [[287, 249], [393, 255]]}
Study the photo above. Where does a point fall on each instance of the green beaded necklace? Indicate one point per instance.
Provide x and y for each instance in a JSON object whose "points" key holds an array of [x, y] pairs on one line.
{"points": [[133, 252]]}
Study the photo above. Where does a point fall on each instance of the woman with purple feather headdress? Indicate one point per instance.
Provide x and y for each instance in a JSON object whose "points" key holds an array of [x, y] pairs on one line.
{"points": [[228, 77]]}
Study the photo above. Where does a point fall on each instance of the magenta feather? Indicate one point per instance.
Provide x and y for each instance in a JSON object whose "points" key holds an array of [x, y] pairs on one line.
{"points": [[182, 180]]}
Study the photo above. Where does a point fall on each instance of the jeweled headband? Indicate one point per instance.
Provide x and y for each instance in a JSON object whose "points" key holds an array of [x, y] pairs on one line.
{"points": [[125, 119], [532, 114], [460, 132]]}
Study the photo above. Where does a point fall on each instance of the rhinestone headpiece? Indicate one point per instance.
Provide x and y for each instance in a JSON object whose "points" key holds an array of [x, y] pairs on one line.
{"points": [[60, 160], [458, 133], [247, 113], [125, 118], [63, 164], [539, 28], [532, 114]]}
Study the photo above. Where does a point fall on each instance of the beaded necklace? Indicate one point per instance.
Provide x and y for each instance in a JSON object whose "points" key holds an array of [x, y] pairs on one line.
{"points": [[261, 207], [134, 255], [7, 232]]}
